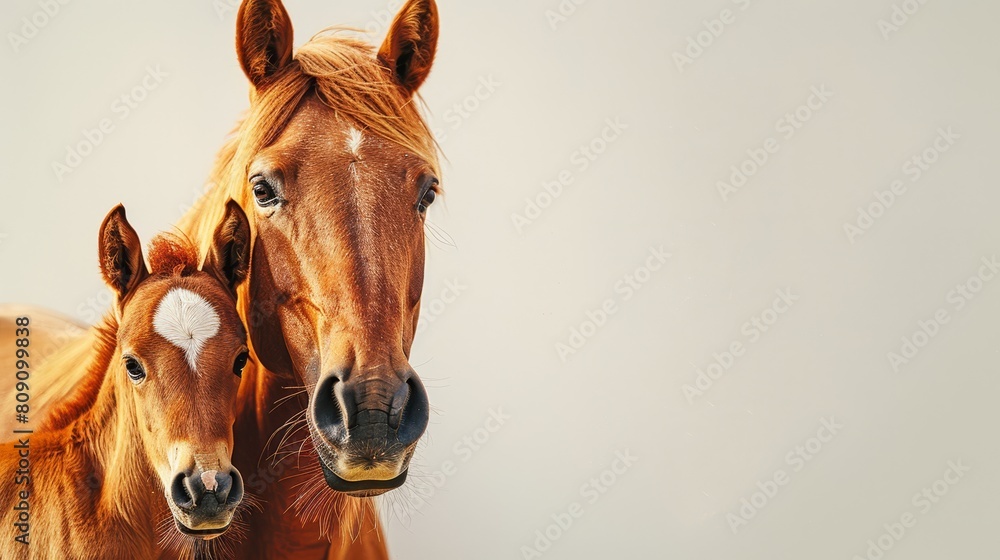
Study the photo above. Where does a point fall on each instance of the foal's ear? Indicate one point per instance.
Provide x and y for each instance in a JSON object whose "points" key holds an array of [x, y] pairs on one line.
{"points": [[229, 258], [120, 252], [263, 39], [408, 49]]}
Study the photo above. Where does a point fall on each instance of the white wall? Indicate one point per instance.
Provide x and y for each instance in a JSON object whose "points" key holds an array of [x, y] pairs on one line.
{"points": [[495, 346]]}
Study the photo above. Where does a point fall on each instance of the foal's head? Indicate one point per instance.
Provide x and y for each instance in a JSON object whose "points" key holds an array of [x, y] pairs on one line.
{"points": [[182, 347], [336, 168]]}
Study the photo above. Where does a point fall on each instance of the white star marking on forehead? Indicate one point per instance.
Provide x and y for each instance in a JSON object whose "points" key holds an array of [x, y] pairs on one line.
{"points": [[187, 321], [354, 141]]}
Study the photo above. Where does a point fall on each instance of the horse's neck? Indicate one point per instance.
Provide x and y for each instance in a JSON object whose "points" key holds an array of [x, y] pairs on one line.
{"points": [[273, 532], [258, 412], [281, 477]]}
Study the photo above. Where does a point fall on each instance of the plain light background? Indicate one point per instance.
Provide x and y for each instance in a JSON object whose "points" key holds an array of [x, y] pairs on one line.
{"points": [[494, 345]]}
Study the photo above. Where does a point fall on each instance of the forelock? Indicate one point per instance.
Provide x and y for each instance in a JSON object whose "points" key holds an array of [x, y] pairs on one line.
{"points": [[172, 254]]}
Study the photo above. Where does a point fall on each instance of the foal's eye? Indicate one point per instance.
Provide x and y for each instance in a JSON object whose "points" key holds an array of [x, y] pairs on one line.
{"points": [[428, 195], [240, 363], [264, 193], [134, 369]]}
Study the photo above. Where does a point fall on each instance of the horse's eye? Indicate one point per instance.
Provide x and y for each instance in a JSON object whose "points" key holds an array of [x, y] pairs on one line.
{"points": [[429, 195], [426, 201], [134, 369], [240, 363], [264, 193]]}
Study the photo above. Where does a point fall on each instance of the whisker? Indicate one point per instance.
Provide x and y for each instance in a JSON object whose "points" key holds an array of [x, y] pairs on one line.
{"points": [[286, 439], [438, 235], [292, 421], [278, 402]]}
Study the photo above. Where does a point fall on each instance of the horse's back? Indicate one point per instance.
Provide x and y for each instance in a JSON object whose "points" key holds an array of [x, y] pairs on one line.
{"points": [[50, 341]]}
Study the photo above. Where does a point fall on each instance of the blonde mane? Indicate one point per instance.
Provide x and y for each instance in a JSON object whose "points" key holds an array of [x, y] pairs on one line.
{"points": [[96, 351]]}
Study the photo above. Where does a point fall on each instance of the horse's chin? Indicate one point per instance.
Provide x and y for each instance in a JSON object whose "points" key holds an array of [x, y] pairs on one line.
{"points": [[203, 534], [361, 488]]}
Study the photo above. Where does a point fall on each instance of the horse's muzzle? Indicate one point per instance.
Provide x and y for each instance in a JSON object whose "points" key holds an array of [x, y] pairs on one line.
{"points": [[365, 428]]}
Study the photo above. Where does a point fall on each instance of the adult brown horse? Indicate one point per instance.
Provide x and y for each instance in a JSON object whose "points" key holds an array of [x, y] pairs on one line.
{"points": [[336, 168], [155, 411]]}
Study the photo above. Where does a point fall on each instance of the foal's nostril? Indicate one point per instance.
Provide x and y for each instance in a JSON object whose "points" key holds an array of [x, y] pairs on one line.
{"points": [[223, 483], [416, 412], [181, 494], [234, 493]]}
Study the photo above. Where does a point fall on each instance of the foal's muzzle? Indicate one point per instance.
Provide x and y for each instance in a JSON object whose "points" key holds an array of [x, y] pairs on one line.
{"points": [[365, 428], [204, 501]]}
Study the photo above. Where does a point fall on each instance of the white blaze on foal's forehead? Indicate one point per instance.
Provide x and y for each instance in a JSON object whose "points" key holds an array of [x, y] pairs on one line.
{"points": [[187, 321]]}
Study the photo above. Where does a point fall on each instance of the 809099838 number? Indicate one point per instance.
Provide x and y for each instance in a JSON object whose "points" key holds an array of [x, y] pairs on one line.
{"points": [[21, 343]]}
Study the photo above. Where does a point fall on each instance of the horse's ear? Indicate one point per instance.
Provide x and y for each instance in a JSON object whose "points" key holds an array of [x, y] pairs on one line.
{"points": [[229, 258], [263, 39], [120, 252], [408, 49]]}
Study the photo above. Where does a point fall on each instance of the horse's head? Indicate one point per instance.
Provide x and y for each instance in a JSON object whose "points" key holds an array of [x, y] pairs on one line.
{"points": [[183, 348], [336, 169]]}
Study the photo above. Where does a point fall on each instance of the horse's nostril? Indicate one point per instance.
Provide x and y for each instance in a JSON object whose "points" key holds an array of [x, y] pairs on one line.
{"points": [[416, 412], [180, 493], [399, 400], [327, 412]]}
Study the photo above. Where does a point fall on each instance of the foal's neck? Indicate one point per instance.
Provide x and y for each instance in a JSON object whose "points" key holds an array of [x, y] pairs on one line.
{"points": [[104, 437], [90, 451], [113, 427]]}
